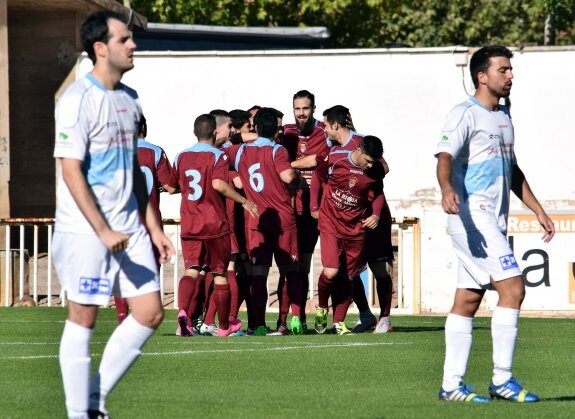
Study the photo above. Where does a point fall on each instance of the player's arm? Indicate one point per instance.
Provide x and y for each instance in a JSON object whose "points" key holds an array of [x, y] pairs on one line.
{"points": [[307, 162], [164, 170], [449, 199], [76, 182], [385, 166], [226, 190], [372, 221], [521, 188], [154, 226]]}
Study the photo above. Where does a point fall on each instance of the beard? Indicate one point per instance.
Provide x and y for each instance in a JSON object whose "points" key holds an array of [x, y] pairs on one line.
{"points": [[305, 128]]}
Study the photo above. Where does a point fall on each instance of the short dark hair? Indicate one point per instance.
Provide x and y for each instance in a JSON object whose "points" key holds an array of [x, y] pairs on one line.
{"points": [[220, 116], [305, 94], [254, 108], [239, 118], [372, 146], [337, 113], [266, 122], [143, 126], [95, 29], [204, 126], [279, 113], [480, 59]]}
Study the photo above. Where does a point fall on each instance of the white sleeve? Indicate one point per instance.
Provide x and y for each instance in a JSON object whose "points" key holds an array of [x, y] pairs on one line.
{"points": [[72, 126], [455, 133]]}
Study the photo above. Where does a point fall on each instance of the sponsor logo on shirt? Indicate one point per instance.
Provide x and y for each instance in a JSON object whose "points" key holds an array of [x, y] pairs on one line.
{"points": [[508, 262], [94, 286], [62, 136], [444, 138]]}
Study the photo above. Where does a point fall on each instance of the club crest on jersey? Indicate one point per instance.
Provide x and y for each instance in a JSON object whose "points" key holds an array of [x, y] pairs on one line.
{"points": [[302, 147], [352, 182]]}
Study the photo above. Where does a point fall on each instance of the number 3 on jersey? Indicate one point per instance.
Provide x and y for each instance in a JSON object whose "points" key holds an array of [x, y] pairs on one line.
{"points": [[256, 179], [194, 185]]}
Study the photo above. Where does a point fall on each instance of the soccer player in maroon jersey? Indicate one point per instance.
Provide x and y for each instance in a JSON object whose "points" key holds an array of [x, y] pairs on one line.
{"points": [[265, 172], [201, 173], [156, 168], [378, 241], [350, 204], [305, 138]]}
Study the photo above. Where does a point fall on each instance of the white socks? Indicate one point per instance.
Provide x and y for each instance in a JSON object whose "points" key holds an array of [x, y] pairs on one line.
{"points": [[122, 349], [458, 338], [75, 367], [504, 335]]}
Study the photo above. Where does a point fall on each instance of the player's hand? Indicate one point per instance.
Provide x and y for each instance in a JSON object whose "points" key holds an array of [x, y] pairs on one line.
{"points": [[114, 240], [252, 208], [370, 222], [164, 245], [315, 214], [547, 225], [450, 201]]}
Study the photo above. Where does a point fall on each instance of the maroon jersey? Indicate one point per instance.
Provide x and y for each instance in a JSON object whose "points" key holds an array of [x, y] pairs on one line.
{"points": [[202, 209], [300, 145], [346, 195], [156, 168], [259, 164]]}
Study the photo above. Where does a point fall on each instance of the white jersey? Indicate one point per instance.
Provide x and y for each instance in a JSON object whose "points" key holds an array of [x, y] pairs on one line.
{"points": [[481, 144], [98, 127]]}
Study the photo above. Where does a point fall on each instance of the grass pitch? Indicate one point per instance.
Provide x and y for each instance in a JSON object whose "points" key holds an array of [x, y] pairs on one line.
{"points": [[396, 375]]}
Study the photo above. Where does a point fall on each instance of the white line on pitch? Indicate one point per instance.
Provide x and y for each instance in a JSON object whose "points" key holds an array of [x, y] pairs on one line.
{"points": [[281, 348]]}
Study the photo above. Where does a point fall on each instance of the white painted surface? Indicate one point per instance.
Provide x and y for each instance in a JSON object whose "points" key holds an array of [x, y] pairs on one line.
{"points": [[401, 96]]}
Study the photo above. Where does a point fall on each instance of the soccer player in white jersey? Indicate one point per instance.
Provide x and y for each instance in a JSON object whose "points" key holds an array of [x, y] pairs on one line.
{"points": [[100, 245], [476, 170]]}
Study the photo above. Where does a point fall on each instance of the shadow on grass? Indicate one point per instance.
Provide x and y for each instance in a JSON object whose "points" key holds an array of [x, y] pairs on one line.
{"points": [[558, 399]]}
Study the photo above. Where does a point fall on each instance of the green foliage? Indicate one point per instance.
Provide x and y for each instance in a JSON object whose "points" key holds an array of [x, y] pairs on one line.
{"points": [[377, 23]]}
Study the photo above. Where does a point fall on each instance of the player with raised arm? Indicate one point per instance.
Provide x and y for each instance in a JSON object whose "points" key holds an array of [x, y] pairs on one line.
{"points": [[350, 204], [201, 174], [100, 246], [265, 172], [477, 169]]}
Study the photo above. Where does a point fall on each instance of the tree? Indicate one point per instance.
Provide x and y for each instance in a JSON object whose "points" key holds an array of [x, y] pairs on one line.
{"points": [[377, 23]]}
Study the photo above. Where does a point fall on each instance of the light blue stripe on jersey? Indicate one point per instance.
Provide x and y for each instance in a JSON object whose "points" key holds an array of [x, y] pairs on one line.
{"points": [[200, 148], [157, 150], [100, 168], [480, 176], [260, 142]]}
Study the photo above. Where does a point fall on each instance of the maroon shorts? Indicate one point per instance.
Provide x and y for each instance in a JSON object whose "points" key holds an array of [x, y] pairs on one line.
{"points": [[378, 245], [282, 246], [307, 232], [214, 254], [342, 254]]}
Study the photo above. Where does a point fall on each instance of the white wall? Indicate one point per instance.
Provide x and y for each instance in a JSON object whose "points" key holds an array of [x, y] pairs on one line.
{"points": [[401, 96]]}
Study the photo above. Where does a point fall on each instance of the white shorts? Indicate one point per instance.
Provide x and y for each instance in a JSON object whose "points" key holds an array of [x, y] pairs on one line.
{"points": [[89, 273], [483, 255]]}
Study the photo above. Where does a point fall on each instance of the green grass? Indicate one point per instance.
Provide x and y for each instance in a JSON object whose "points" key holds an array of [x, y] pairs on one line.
{"points": [[313, 376]]}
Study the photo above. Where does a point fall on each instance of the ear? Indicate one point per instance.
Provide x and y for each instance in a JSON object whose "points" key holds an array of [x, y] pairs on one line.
{"points": [[482, 77]]}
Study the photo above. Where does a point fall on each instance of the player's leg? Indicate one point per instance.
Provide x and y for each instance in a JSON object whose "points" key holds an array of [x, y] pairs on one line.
{"points": [[138, 281], [193, 254], [353, 259], [331, 250], [260, 249], [382, 270], [87, 282], [471, 284], [121, 308]]}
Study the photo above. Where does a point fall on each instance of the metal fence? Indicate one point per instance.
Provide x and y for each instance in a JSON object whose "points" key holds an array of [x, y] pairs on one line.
{"points": [[35, 277]]}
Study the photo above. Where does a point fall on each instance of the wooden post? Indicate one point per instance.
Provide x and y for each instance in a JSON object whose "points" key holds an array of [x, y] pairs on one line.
{"points": [[4, 114]]}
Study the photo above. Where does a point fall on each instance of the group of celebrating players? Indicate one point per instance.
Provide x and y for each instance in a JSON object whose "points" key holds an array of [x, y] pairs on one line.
{"points": [[253, 189]]}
